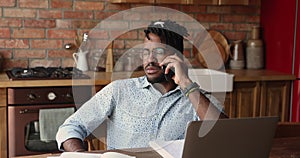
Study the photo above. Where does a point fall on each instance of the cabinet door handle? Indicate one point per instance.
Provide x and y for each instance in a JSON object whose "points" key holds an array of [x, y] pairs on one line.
{"points": [[25, 111]]}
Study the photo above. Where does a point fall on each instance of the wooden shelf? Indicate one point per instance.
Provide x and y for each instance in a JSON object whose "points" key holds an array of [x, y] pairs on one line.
{"points": [[201, 2]]}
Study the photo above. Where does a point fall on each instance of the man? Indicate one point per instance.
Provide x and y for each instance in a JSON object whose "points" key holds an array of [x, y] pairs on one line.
{"points": [[146, 108]]}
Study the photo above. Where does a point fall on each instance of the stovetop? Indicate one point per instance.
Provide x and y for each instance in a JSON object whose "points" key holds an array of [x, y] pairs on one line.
{"points": [[46, 73]]}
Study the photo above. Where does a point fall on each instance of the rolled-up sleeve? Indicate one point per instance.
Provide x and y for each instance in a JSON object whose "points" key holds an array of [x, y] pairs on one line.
{"points": [[88, 117]]}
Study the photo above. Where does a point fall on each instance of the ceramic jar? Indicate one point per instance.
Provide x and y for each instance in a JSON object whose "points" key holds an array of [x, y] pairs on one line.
{"points": [[255, 50]]}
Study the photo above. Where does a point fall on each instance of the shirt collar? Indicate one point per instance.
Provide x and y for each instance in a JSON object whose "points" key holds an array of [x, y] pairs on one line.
{"points": [[145, 83]]}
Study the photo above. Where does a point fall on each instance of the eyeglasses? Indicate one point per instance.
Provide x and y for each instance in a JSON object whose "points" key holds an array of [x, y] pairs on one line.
{"points": [[156, 52]]}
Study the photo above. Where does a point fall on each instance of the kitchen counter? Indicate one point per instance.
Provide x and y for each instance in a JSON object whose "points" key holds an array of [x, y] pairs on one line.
{"points": [[97, 78], [243, 101], [241, 75], [104, 78]]}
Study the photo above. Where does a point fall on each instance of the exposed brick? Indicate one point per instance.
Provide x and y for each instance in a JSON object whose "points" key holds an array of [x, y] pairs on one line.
{"points": [[245, 10], [45, 63], [99, 34], [253, 19], [221, 26], [45, 43], [193, 9], [61, 34], [119, 44], [25, 13], [195, 25], [68, 62], [219, 9], [60, 54], [255, 2], [62, 4], [208, 17], [25, 53], [235, 35], [57, 14], [132, 43], [4, 33], [133, 34], [40, 23], [153, 16], [28, 33], [6, 53], [104, 15], [84, 24], [234, 18], [61, 23], [243, 27], [172, 6], [139, 24], [9, 64], [84, 15], [78, 15], [93, 5], [116, 7], [181, 17], [7, 3], [141, 34], [130, 16], [10, 22], [33, 3], [14, 43], [115, 25]]}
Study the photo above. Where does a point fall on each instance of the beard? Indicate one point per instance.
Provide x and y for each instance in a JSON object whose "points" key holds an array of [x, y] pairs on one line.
{"points": [[161, 78]]}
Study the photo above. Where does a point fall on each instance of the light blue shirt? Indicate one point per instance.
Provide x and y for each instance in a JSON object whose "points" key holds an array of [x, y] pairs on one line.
{"points": [[135, 113]]}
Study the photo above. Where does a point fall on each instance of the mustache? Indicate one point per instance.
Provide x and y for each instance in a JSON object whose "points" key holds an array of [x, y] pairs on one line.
{"points": [[153, 64]]}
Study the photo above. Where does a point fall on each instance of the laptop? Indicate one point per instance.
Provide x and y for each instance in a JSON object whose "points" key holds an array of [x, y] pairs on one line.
{"points": [[228, 138]]}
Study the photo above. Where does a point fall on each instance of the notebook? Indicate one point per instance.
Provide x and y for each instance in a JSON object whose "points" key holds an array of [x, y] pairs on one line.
{"points": [[234, 138]]}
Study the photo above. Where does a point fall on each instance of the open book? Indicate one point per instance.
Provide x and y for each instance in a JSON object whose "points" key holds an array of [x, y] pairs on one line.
{"points": [[168, 149], [91, 155]]}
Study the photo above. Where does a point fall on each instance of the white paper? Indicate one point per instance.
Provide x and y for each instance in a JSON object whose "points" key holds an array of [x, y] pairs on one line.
{"points": [[168, 149]]}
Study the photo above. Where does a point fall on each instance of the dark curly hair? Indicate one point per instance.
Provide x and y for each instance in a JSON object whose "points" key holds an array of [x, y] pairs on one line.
{"points": [[169, 32]]}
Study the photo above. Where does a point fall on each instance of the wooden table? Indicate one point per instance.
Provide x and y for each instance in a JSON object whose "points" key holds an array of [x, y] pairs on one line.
{"points": [[286, 148], [281, 148]]}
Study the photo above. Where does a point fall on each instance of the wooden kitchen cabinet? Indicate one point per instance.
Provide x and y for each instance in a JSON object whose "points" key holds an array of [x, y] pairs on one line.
{"points": [[3, 123], [259, 93], [275, 99], [244, 100]]}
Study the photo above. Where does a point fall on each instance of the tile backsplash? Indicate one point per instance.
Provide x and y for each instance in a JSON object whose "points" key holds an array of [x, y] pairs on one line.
{"points": [[34, 32]]}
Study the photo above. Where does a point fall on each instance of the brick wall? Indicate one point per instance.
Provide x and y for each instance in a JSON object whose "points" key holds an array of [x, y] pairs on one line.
{"points": [[34, 32]]}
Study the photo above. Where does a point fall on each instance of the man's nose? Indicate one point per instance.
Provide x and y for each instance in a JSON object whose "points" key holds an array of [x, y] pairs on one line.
{"points": [[152, 57]]}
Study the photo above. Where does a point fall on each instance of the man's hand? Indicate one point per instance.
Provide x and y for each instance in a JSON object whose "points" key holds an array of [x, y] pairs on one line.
{"points": [[181, 70], [73, 145]]}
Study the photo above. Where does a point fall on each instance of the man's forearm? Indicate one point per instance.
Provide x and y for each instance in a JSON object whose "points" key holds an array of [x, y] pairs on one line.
{"points": [[73, 144], [201, 103]]}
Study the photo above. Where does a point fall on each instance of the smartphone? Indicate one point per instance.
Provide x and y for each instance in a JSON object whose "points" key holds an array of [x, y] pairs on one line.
{"points": [[169, 75]]}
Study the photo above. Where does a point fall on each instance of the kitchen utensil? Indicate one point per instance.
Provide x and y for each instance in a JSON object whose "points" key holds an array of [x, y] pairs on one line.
{"points": [[222, 45], [237, 50]]}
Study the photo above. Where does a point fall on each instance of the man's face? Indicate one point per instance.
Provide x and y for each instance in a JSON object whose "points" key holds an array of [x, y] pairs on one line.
{"points": [[154, 52]]}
